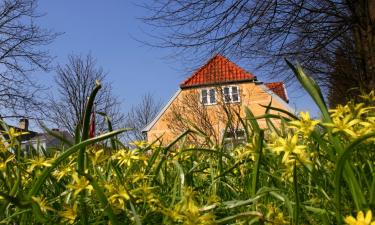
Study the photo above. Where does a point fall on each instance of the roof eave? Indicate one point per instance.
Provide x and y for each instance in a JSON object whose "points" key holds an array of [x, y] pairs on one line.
{"points": [[152, 123], [218, 83]]}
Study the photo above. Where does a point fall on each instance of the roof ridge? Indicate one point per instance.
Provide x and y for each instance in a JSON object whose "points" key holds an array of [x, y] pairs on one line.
{"points": [[221, 71], [201, 67]]}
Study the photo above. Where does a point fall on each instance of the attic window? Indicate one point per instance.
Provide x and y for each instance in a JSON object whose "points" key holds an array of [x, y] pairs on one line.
{"points": [[231, 94], [208, 96]]}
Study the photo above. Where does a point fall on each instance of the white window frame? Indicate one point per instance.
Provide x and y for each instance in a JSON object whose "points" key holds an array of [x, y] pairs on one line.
{"points": [[208, 96], [231, 94], [240, 139]]}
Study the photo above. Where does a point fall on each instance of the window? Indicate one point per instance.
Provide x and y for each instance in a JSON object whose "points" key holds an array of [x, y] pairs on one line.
{"points": [[231, 94], [208, 96], [238, 134], [235, 137]]}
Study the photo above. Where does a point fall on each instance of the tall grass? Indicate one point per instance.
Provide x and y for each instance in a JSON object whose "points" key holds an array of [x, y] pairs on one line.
{"points": [[303, 171]]}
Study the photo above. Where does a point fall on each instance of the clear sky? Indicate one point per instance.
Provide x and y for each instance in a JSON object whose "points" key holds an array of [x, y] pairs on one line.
{"points": [[106, 29]]}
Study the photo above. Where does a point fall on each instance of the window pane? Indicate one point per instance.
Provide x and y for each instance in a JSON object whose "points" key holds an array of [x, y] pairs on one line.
{"points": [[240, 133], [204, 96], [229, 134], [204, 100], [212, 96], [235, 97], [234, 90], [226, 94]]}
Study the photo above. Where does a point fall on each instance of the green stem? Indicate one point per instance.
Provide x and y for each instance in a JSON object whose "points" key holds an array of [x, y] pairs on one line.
{"points": [[48, 170], [255, 177], [297, 206]]}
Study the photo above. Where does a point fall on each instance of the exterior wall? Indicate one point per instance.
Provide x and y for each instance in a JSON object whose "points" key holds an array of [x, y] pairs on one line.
{"points": [[251, 95]]}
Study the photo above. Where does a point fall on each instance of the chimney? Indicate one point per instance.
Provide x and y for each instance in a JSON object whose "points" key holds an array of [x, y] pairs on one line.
{"points": [[24, 124]]}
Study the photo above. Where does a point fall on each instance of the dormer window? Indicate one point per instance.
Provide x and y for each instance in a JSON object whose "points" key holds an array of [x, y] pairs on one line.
{"points": [[231, 94], [208, 96]]}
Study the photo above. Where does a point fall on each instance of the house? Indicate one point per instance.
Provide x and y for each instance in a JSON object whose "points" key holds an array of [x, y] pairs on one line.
{"points": [[34, 140], [212, 99], [23, 127]]}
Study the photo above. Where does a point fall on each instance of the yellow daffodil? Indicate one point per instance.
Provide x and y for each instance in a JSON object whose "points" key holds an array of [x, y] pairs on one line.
{"points": [[361, 219]]}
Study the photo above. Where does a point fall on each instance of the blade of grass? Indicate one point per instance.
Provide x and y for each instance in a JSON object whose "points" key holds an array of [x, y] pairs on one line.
{"points": [[47, 171], [166, 149], [240, 215], [256, 166], [103, 200], [340, 166]]}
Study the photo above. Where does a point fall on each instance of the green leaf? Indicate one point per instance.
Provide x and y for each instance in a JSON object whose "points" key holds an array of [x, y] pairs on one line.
{"points": [[48, 170]]}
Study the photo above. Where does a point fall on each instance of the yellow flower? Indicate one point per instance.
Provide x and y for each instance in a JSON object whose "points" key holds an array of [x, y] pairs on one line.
{"points": [[98, 156], [59, 174], [305, 125], [4, 164], [244, 152], [290, 147], [118, 197], [370, 97], [344, 125], [38, 162], [139, 177], [69, 215], [80, 184], [361, 219], [42, 203], [139, 144], [187, 211], [127, 157], [12, 135]]}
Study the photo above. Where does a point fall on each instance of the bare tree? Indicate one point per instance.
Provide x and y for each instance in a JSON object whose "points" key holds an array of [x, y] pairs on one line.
{"points": [[21, 42], [190, 113], [75, 81], [139, 116], [267, 31]]}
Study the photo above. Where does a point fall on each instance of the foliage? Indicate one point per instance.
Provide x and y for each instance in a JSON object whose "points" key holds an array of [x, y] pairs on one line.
{"points": [[304, 171]]}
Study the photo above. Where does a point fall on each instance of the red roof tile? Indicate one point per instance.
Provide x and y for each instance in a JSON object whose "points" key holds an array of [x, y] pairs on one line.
{"points": [[279, 89], [216, 71]]}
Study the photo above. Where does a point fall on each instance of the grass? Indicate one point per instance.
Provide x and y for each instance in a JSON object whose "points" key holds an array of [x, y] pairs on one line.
{"points": [[305, 171]]}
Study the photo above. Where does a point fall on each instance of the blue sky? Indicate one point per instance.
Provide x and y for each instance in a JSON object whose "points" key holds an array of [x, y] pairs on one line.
{"points": [[106, 29]]}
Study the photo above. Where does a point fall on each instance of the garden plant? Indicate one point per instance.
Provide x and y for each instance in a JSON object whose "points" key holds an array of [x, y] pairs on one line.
{"points": [[298, 171]]}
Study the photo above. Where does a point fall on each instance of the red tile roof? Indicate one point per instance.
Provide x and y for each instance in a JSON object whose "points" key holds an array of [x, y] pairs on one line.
{"points": [[217, 70], [279, 89]]}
